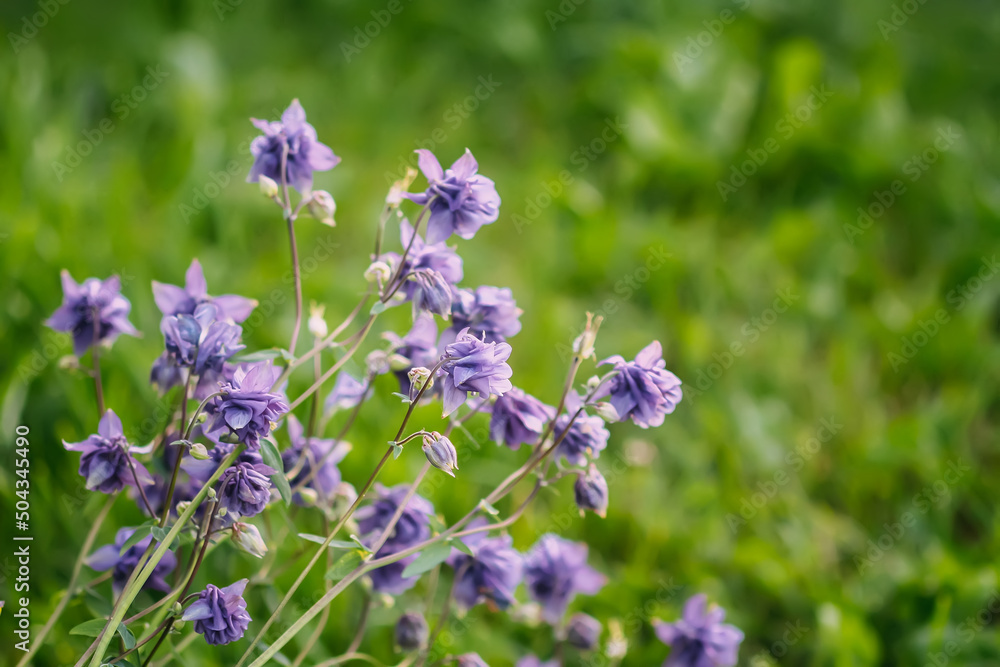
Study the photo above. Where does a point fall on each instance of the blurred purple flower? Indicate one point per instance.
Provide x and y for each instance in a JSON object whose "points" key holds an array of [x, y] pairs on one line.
{"points": [[220, 613], [643, 389], [305, 154], [174, 300], [412, 528], [488, 312], [535, 661], [106, 459], [347, 393], [431, 293], [583, 631], [109, 556], [434, 256], [92, 309], [591, 492], [474, 366], [555, 570], [411, 632], [491, 575], [588, 436], [247, 406], [245, 489], [700, 638], [518, 418], [461, 201], [327, 479], [419, 346], [200, 342], [470, 660]]}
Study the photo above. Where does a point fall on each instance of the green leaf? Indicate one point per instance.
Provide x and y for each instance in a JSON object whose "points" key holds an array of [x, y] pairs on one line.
{"points": [[379, 307], [159, 534], [461, 546], [428, 558], [397, 449], [362, 545], [140, 534], [178, 443], [345, 565], [272, 458], [127, 636], [90, 628], [334, 544], [259, 355]]}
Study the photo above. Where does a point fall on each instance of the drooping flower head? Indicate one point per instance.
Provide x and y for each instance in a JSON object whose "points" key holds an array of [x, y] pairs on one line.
{"points": [[93, 312], [315, 454], [474, 366], [591, 492], [200, 342], [247, 406], [488, 312], [412, 528], [587, 436], [431, 293], [491, 575], [583, 631], [643, 389], [411, 632], [555, 570], [220, 613], [296, 139], [422, 256], [700, 638], [461, 200], [174, 300], [109, 557], [106, 462], [518, 418], [440, 452], [245, 489]]}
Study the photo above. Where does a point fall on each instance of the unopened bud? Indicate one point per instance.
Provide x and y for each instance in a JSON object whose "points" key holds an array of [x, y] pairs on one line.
{"points": [[247, 538], [322, 207], [584, 344], [411, 632], [268, 187], [378, 272], [617, 643], [440, 452], [317, 325], [607, 412], [583, 631], [395, 196], [398, 362], [199, 452], [420, 380]]}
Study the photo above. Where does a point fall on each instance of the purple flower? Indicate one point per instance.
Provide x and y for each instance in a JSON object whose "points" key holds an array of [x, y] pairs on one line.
{"points": [[583, 631], [389, 578], [555, 570], [295, 138], [247, 406], [440, 452], [534, 661], [461, 201], [220, 613], [431, 293], [106, 462], [174, 300], [93, 312], [470, 660], [700, 638], [321, 452], [109, 556], [413, 526], [491, 575], [411, 632], [437, 257], [588, 436], [419, 346], [245, 488], [591, 492], [202, 470], [643, 389], [488, 312], [474, 366], [200, 342], [518, 418], [347, 393]]}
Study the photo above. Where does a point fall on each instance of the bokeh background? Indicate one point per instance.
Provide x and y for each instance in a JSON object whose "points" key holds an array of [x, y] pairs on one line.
{"points": [[836, 366]]}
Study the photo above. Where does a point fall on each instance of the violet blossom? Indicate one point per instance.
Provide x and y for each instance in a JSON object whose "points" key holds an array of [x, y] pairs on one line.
{"points": [[174, 300], [642, 389], [488, 312], [110, 557], [295, 139], [307, 455], [220, 613], [555, 570], [245, 489], [491, 575], [93, 312], [700, 638], [518, 418], [247, 406], [106, 463], [473, 366], [461, 201]]}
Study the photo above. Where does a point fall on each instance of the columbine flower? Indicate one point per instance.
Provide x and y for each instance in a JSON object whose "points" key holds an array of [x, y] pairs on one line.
{"points": [[555, 570], [474, 366], [174, 300], [586, 437], [412, 528], [109, 556], [643, 389], [424, 256], [220, 613], [317, 452], [200, 341], [461, 200], [106, 463], [488, 312], [700, 638], [347, 393], [440, 452], [518, 418], [247, 538], [432, 293], [411, 632], [323, 207], [245, 488], [491, 575], [418, 346], [247, 407], [591, 492], [305, 154], [93, 301], [583, 631]]}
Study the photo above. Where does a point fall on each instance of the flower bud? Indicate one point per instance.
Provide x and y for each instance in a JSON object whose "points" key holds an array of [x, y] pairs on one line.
{"points": [[322, 207], [268, 187], [420, 377], [584, 344], [398, 362], [607, 412], [378, 272], [440, 452], [182, 507], [583, 632], [317, 325], [247, 538], [617, 643], [411, 632], [199, 452], [591, 492], [308, 496]]}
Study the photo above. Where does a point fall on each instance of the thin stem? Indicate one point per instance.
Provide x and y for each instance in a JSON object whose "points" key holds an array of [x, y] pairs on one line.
{"points": [[140, 644], [402, 260], [297, 274], [88, 544], [336, 367], [138, 485], [96, 357], [340, 660], [168, 501]]}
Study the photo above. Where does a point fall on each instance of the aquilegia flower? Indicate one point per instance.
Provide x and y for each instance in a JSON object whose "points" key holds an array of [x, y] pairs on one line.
{"points": [[700, 638], [220, 613], [106, 462], [309, 455], [245, 488], [518, 418], [591, 492], [434, 256], [474, 366], [583, 631], [411, 632], [109, 556], [461, 200], [643, 389], [587, 436], [491, 575], [440, 452], [431, 293], [347, 393], [294, 138], [489, 313], [200, 341], [247, 406], [93, 312], [174, 300], [418, 346], [555, 570], [412, 528]]}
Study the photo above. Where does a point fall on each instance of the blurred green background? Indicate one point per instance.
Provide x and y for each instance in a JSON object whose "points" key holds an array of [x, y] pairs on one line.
{"points": [[800, 200]]}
